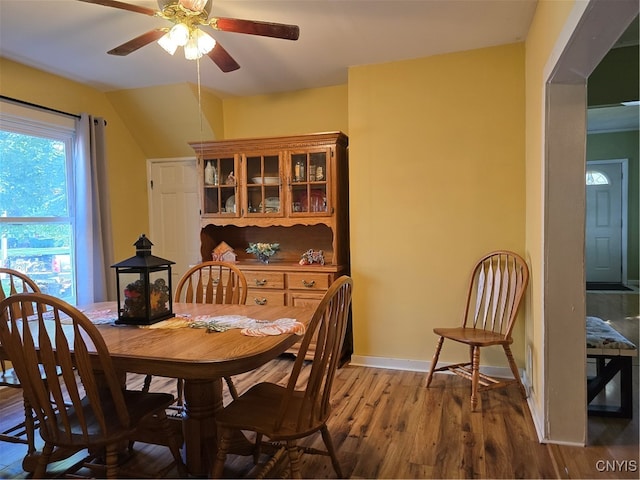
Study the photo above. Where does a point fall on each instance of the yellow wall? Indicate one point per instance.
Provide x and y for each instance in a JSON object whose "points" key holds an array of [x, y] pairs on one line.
{"points": [[437, 175], [163, 120], [436, 146], [292, 113], [127, 167], [437, 180], [543, 34]]}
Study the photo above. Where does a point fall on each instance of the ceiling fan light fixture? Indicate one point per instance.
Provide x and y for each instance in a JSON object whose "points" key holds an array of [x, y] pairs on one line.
{"points": [[191, 51], [179, 34], [204, 41], [167, 44], [185, 17]]}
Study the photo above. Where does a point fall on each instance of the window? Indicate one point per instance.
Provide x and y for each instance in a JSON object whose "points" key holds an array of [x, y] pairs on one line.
{"points": [[36, 198], [594, 177]]}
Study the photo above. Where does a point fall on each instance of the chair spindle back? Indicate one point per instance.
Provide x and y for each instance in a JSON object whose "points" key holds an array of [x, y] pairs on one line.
{"points": [[13, 281], [497, 285], [59, 335], [212, 282], [328, 327]]}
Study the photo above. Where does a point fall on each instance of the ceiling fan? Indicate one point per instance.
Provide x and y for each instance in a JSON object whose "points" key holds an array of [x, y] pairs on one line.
{"points": [[187, 16]]}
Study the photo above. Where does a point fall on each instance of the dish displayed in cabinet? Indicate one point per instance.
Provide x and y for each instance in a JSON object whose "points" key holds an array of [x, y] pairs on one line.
{"points": [[230, 204], [316, 201], [271, 205], [266, 180]]}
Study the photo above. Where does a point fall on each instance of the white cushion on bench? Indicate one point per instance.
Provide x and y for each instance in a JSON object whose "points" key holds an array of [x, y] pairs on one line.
{"points": [[601, 335]]}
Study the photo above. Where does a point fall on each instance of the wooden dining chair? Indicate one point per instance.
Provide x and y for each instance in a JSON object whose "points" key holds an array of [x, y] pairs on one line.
{"points": [[12, 282], [100, 414], [496, 288], [212, 282], [209, 282], [286, 414]]}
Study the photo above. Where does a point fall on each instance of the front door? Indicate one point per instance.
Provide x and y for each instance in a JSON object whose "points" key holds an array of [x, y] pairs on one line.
{"points": [[604, 222]]}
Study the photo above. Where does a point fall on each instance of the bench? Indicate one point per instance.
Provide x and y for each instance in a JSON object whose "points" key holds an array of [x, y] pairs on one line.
{"points": [[613, 354]]}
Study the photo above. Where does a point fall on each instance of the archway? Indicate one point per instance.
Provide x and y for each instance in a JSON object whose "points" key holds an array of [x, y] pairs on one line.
{"points": [[597, 29]]}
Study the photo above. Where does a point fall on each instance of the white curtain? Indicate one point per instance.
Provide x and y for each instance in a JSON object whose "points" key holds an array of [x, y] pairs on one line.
{"points": [[93, 238]]}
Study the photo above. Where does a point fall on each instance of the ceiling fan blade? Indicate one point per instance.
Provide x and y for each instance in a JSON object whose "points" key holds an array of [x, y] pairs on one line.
{"points": [[136, 43], [222, 59], [122, 6], [253, 27]]}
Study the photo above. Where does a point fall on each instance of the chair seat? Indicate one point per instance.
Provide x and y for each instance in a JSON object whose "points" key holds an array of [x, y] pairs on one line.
{"points": [[472, 336], [258, 408], [139, 405]]}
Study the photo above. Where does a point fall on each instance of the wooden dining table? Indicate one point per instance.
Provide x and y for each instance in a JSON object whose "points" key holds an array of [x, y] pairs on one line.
{"points": [[201, 358]]}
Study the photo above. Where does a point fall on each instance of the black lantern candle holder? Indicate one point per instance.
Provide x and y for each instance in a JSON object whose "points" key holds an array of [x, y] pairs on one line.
{"points": [[144, 287]]}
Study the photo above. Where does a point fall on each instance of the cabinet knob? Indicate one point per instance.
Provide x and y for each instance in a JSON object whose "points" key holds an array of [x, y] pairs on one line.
{"points": [[308, 284], [261, 283], [260, 301]]}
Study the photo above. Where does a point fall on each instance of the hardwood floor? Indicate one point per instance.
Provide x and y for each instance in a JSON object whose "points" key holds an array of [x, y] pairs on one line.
{"points": [[386, 424]]}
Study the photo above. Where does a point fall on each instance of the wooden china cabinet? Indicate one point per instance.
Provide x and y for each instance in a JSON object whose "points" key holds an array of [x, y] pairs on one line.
{"points": [[289, 190]]}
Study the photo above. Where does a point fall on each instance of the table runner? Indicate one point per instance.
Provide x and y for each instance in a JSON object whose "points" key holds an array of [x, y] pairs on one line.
{"points": [[248, 326]]}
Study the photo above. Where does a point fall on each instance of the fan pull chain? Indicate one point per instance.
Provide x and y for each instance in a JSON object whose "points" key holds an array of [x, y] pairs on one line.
{"points": [[201, 127], [199, 104]]}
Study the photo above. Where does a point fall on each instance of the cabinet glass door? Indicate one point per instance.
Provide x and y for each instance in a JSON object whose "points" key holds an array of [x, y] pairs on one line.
{"points": [[264, 185], [220, 196], [309, 184]]}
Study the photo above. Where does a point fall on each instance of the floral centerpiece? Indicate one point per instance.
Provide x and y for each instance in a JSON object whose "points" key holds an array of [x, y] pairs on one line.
{"points": [[135, 303], [263, 250]]}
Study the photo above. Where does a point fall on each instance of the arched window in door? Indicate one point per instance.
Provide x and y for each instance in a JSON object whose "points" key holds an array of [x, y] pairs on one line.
{"points": [[595, 177]]}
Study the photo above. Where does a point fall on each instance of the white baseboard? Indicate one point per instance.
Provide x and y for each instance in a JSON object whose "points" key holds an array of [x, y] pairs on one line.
{"points": [[416, 365], [561, 442], [537, 421], [390, 363]]}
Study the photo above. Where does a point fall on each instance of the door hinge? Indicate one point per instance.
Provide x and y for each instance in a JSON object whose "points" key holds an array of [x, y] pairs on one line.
{"points": [[151, 184]]}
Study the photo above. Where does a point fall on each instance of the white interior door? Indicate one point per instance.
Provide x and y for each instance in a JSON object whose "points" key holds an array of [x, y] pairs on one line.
{"points": [[174, 212], [604, 238]]}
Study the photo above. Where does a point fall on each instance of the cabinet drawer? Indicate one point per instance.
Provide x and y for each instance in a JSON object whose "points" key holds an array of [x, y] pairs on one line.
{"points": [[260, 279], [308, 300], [308, 281], [265, 297]]}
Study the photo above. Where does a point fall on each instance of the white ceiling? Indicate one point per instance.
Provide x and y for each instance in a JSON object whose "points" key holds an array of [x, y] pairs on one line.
{"points": [[71, 38], [613, 119]]}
